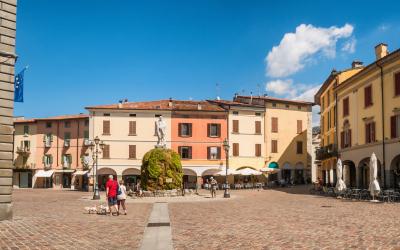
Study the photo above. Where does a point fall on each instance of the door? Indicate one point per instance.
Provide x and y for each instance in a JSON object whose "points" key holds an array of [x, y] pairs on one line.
{"points": [[66, 180]]}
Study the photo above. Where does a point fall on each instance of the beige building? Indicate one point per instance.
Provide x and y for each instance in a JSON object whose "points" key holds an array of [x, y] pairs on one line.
{"points": [[8, 10], [368, 107], [287, 135]]}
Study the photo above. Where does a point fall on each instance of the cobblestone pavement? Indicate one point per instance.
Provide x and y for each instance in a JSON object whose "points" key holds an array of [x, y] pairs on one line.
{"points": [[49, 219], [285, 219]]}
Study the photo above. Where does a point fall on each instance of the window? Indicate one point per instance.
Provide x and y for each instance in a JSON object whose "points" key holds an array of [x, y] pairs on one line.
{"points": [[213, 153], [345, 106], [299, 148], [132, 127], [345, 135], [235, 149], [299, 107], [48, 124], [47, 160], [86, 134], [274, 146], [395, 126], [329, 119], [257, 114], [273, 104], [106, 152], [66, 161], [274, 124], [397, 84], [235, 128], [132, 151], [132, 115], [257, 150], [67, 124], [299, 126], [214, 130], [287, 106], [368, 96], [67, 139], [329, 97], [25, 145], [185, 152], [106, 127], [370, 132], [157, 115], [235, 112], [185, 129], [322, 103], [26, 129], [257, 125], [86, 123], [47, 139], [106, 114]]}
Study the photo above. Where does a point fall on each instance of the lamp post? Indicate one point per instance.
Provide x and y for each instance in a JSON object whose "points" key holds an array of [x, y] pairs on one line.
{"points": [[226, 148], [94, 146]]}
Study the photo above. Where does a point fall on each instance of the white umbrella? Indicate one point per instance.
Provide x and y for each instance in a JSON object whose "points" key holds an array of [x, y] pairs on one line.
{"points": [[374, 188], [269, 170], [230, 172], [249, 171], [340, 185]]}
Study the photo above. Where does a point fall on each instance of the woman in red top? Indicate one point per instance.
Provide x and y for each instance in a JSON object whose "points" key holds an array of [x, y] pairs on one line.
{"points": [[111, 193]]}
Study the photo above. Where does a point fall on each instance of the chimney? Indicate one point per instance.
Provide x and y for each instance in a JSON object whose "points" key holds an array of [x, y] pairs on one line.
{"points": [[198, 106], [120, 104], [251, 97], [170, 102], [356, 64], [381, 50]]}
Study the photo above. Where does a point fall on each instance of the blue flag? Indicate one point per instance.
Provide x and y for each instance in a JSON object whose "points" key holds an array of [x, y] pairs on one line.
{"points": [[19, 87]]}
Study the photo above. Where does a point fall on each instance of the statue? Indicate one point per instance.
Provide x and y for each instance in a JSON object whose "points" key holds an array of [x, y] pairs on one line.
{"points": [[161, 130]]}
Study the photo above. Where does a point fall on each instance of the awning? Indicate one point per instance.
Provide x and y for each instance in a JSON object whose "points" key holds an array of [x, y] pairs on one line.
{"points": [[273, 165], [80, 172], [64, 171], [44, 174]]}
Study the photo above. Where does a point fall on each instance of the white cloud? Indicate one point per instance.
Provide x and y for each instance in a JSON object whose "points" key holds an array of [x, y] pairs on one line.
{"points": [[295, 49], [308, 94], [281, 87], [383, 27], [350, 45]]}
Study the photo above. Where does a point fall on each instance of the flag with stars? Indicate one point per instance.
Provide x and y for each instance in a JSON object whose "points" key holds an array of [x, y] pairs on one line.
{"points": [[19, 87]]}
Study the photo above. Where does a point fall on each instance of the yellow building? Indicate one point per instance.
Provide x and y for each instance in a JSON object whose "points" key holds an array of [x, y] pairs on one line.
{"points": [[288, 135], [325, 97], [369, 120]]}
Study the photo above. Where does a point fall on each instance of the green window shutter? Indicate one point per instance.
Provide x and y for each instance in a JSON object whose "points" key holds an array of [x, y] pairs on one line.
{"points": [[43, 159], [51, 159], [44, 138]]}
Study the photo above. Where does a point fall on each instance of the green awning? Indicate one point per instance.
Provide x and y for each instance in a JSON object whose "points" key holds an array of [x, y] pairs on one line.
{"points": [[273, 165]]}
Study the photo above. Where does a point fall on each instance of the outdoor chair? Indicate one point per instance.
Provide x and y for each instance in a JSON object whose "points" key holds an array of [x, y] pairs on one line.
{"points": [[365, 195], [355, 194], [383, 196]]}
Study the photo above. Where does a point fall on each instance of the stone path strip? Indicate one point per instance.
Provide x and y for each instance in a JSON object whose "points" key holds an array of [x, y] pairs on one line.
{"points": [[157, 234]]}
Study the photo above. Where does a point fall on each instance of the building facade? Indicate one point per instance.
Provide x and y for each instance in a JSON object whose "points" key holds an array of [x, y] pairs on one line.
{"points": [[326, 98], [287, 135], [369, 120], [8, 10], [49, 152]]}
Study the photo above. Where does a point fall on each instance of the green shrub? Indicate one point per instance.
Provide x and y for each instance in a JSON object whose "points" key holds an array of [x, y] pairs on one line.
{"points": [[158, 165]]}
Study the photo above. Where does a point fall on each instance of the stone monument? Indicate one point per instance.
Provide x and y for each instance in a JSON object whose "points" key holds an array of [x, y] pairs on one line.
{"points": [[161, 131]]}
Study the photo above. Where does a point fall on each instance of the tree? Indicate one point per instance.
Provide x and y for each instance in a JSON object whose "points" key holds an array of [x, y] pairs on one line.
{"points": [[161, 170]]}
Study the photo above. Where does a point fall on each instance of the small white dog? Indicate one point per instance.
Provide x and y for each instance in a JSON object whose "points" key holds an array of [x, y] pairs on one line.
{"points": [[91, 209]]}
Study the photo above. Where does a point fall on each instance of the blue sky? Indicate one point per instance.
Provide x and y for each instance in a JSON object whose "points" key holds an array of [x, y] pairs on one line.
{"points": [[83, 53]]}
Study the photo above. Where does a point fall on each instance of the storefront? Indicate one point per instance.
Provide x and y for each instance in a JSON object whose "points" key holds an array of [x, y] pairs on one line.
{"points": [[80, 180], [22, 178], [43, 179]]}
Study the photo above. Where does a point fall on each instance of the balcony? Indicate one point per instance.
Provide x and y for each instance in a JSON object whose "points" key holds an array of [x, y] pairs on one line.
{"points": [[326, 152], [23, 150]]}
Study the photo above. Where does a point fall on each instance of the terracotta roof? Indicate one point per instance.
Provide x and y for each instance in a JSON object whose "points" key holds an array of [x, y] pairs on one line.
{"points": [[53, 118], [275, 99], [234, 103], [171, 105]]}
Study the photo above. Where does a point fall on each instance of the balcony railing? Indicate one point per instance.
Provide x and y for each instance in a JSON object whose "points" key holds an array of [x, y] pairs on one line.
{"points": [[23, 150], [326, 152]]}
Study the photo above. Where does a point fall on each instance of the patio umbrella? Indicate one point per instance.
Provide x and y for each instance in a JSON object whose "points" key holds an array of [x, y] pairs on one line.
{"points": [[248, 171], [269, 170], [340, 185], [374, 188]]}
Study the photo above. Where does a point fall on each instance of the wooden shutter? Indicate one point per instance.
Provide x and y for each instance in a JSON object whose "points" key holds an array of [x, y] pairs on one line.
{"points": [[346, 107], [180, 129], [258, 127], [368, 96], [349, 135], [235, 149], [367, 133], [180, 151], [342, 144], [219, 130], [51, 159], [258, 150], [397, 84], [299, 147], [190, 129], [235, 128], [106, 127], [218, 152], [393, 126], [132, 127], [274, 146], [373, 132], [274, 125], [190, 153], [132, 151], [106, 151], [299, 126], [208, 153]]}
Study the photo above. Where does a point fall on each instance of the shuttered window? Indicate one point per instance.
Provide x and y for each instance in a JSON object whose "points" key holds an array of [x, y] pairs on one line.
{"points": [[185, 129], [132, 127], [106, 151], [395, 126], [397, 84], [185, 152], [370, 132], [214, 130], [235, 128], [368, 96], [213, 153], [274, 125], [132, 151], [274, 146], [235, 149], [299, 126], [345, 138], [258, 127], [106, 127], [299, 148], [258, 150], [345, 107]]}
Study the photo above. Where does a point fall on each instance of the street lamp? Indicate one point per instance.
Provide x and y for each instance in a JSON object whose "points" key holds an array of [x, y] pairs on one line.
{"points": [[94, 146], [226, 148]]}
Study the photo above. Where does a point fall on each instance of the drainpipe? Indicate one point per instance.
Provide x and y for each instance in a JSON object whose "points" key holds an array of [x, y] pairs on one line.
{"points": [[77, 146], [336, 118], [383, 127]]}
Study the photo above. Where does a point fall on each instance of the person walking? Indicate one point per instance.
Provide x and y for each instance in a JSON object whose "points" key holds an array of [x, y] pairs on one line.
{"points": [[111, 193], [214, 185], [121, 197]]}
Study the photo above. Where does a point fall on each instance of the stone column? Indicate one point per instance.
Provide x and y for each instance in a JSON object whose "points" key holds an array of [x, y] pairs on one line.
{"points": [[8, 10]]}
